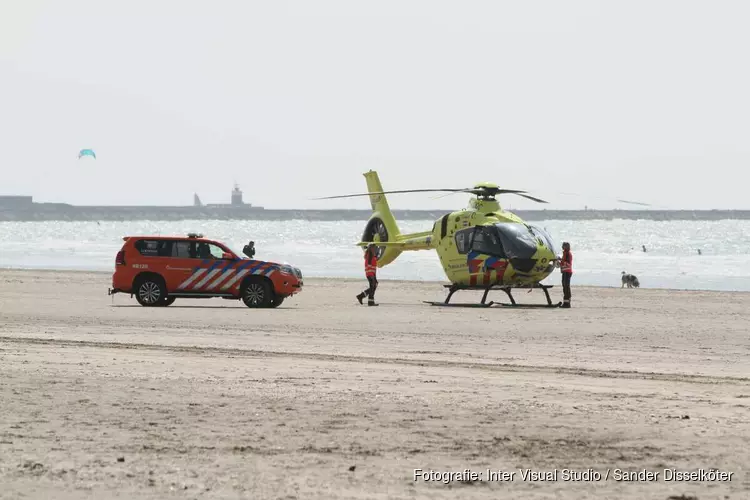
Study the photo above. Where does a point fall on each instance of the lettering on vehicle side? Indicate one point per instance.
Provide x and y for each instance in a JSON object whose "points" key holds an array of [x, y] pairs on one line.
{"points": [[140, 266]]}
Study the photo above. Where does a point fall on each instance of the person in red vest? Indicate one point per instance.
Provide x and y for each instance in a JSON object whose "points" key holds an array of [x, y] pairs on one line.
{"points": [[566, 269], [371, 266]]}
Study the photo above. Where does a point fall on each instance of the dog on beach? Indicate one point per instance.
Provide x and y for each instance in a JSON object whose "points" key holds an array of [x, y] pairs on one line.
{"points": [[630, 280]]}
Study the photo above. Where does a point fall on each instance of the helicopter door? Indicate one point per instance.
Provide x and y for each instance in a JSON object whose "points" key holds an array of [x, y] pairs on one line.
{"points": [[486, 241], [488, 264]]}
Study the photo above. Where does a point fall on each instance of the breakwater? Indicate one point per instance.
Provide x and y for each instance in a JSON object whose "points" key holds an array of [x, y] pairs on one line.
{"points": [[65, 212]]}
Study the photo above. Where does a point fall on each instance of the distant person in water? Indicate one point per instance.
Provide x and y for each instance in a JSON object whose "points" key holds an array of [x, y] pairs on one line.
{"points": [[699, 252], [644, 248]]}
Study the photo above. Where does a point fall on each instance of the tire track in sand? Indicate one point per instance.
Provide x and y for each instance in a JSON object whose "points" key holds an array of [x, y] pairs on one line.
{"points": [[500, 367]]}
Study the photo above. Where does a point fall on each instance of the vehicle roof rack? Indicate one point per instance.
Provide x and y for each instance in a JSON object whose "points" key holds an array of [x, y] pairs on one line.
{"points": [[195, 235]]}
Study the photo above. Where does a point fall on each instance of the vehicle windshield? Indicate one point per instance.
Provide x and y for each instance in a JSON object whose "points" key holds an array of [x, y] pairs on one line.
{"points": [[517, 240]]}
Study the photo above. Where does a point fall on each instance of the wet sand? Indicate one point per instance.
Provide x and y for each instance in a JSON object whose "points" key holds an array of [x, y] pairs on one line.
{"points": [[325, 399]]}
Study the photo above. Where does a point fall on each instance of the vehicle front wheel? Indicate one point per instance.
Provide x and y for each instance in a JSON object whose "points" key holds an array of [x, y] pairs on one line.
{"points": [[150, 292], [257, 294]]}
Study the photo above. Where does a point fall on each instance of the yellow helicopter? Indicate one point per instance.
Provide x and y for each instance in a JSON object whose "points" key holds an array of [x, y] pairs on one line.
{"points": [[481, 247]]}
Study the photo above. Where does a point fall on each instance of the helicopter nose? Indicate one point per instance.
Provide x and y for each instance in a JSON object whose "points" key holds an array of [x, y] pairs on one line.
{"points": [[523, 261], [523, 265]]}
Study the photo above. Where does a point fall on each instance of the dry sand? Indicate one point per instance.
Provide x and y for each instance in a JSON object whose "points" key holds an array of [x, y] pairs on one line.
{"points": [[323, 398]]}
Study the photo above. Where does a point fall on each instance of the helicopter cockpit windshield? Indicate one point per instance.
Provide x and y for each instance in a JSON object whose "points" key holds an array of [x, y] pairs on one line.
{"points": [[517, 241], [545, 237], [505, 240]]}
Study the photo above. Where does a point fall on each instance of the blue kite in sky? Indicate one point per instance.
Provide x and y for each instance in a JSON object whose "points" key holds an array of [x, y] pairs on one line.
{"points": [[86, 152]]}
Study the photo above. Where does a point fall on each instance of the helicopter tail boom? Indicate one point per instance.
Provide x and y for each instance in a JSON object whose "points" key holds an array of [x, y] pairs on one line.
{"points": [[414, 241]]}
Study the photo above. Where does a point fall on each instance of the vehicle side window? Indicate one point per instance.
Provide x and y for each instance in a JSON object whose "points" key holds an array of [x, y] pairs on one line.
{"points": [[208, 251], [154, 248], [463, 240], [203, 251], [181, 249], [216, 251], [148, 248], [165, 248]]}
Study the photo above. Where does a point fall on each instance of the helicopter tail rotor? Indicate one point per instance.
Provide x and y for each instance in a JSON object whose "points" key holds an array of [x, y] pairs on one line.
{"points": [[382, 226]]}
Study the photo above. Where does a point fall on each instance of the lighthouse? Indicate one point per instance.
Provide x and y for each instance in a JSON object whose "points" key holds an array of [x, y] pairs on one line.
{"points": [[237, 196]]}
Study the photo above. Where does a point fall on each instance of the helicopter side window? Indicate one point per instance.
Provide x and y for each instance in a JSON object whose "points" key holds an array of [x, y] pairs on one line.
{"points": [[463, 240], [486, 241]]}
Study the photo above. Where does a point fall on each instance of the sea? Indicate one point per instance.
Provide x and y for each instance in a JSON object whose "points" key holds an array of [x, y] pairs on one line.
{"points": [[602, 249]]}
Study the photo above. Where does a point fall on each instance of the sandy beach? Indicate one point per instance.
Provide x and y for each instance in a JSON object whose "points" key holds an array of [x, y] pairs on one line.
{"points": [[325, 399]]}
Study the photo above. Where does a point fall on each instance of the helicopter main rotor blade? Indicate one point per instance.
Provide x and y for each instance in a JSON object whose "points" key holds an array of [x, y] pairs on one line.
{"points": [[607, 199], [443, 196], [490, 191], [510, 191], [475, 191], [392, 192], [635, 203], [506, 191], [538, 200]]}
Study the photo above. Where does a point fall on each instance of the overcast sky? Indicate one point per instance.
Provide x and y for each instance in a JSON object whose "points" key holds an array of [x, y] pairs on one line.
{"points": [[642, 100]]}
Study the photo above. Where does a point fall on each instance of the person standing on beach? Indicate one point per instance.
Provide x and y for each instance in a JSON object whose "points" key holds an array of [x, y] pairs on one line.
{"points": [[371, 266], [566, 269]]}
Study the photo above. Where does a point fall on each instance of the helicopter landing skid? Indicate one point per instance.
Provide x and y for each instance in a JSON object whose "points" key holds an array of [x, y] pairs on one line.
{"points": [[443, 304], [506, 288]]}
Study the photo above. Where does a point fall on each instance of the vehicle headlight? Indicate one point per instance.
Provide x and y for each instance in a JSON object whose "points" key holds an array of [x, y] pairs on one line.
{"points": [[287, 270]]}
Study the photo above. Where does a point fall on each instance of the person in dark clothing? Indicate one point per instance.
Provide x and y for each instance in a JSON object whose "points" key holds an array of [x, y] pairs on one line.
{"points": [[371, 266], [566, 269]]}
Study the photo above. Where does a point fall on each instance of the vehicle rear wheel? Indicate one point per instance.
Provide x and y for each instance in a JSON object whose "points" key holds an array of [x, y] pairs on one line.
{"points": [[257, 294], [277, 301], [150, 291]]}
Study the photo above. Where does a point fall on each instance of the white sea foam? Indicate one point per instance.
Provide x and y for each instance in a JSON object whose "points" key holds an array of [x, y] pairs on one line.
{"points": [[602, 249]]}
